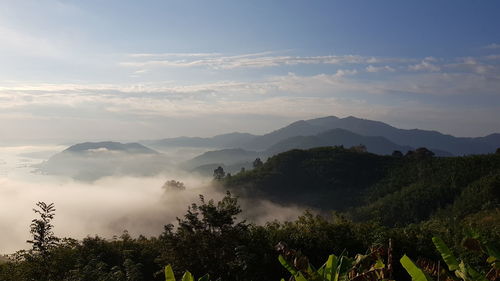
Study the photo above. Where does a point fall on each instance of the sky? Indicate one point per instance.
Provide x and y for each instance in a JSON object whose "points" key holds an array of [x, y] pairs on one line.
{"points": [[132, 70]]}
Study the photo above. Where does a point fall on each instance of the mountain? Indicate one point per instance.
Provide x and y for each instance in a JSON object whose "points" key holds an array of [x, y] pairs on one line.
{"points": [[492, 140], [337, 137], [109, 146], [90, 161], [299, 128], [220, 141], [441, 144], [413, 137], [433, 140], [222, 157]]}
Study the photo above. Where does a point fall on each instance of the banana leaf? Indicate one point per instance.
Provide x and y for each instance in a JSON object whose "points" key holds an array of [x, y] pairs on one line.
{"points": [[415, 272], [446, 253], [205, 277], [169, 273], [296, 274]]}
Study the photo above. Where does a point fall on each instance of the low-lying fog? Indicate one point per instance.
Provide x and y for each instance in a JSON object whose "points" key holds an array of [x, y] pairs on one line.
{"points": [[105, 207]]}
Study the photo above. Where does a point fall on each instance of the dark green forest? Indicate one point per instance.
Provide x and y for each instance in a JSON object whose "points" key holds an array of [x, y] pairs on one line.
{"points": [[360, 203]]}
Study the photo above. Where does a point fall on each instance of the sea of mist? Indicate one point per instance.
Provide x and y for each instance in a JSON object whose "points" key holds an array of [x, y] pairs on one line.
{"points": [[107, 206]]}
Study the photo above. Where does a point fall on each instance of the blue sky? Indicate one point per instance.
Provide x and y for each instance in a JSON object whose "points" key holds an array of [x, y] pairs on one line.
{"points": [[73, 70]]}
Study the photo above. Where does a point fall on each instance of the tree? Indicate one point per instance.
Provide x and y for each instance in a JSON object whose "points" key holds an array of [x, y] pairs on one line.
{"points": [[359, 148], [498, 151], [420, 153], [43, 241], [423, 152], [41, 229], [206, 240], [257, 163], [219, 173], [397, 153], [174, 185]]}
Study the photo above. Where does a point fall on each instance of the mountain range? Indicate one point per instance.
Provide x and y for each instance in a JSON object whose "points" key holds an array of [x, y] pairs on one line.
{"points": [[377, 137], [403, 138], [238, 150]]}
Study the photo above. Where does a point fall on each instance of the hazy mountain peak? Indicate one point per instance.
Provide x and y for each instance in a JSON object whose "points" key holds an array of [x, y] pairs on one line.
{"points": [[111, 146]]}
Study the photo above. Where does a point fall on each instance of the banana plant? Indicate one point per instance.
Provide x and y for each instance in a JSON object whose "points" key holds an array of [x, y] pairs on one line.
{"points": [[169, 275], [334, 269], [461, 270], [477, 243], [367, 267]]}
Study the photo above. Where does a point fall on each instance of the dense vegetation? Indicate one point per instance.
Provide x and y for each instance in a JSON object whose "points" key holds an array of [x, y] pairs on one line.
{"points": [[388, 190], [407, 200]]}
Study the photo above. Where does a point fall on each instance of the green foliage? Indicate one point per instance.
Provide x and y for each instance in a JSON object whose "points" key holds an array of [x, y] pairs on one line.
{"points": [[325, 178], [391, 191], [207, 239], [446, 253], [42, 229], [169, 275], [461, 269], [414, 271], [370, 266]]}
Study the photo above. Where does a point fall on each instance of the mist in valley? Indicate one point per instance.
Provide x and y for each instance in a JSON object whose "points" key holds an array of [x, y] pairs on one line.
{"points": [[109, 204]]}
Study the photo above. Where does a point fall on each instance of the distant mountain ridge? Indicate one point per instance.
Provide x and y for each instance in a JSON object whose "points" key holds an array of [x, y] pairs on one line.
{"points": [[376, 136], [226, 156], [413, 138], [230, 140], [133, 148], [337, 137]]}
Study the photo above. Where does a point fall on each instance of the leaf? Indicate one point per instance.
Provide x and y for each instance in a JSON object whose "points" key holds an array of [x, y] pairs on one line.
{"points": [[169, 273], [415, 272], [187, 276], [345, 265], [461, 272], [205, 277], [493, 252], [287, 265], [446, 253], [475, 275], [296, 274], [337, 276], [379, 264], [331, 267]]}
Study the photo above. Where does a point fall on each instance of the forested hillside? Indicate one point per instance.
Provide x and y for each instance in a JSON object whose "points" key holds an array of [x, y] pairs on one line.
{"points": [[390, 190]]}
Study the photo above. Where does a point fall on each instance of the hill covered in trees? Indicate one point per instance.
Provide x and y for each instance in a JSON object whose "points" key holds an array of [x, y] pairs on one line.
{"points": [[390, 190]]}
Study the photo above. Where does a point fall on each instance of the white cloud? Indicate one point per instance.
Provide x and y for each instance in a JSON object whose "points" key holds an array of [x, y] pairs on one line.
{"points": [[492, 46], [111, 109], [254, 60], [426, 64], [493, 57], [371, 68], [168, 55]]}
